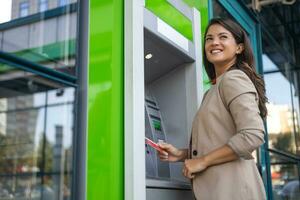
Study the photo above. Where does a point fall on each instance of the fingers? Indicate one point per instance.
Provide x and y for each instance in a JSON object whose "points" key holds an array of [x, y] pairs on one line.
{"points": [[187, 173], [165, 146], [169, 152], [163, 156]]}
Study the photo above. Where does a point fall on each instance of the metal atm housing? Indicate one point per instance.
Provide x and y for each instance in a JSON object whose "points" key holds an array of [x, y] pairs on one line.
{"points": [[172, 95]]}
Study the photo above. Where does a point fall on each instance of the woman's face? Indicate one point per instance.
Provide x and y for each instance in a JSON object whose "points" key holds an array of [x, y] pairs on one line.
{"points": [[220, 46]]}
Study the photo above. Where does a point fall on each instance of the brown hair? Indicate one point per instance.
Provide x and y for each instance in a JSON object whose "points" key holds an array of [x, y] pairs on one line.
{"points": [[244, 61]]}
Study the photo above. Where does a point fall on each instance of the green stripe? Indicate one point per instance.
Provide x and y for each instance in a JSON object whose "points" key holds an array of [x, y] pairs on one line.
{"points": [[50, 52], [105, 146], [203, 6], [173, 17]]}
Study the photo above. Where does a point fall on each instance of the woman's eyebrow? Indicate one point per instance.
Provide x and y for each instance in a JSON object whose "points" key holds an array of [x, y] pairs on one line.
{"points": [[223, 33]]}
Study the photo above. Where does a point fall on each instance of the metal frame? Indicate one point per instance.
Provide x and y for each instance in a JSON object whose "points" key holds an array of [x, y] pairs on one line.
{"points": [[135, 187], [80, 138], [26, 65]]}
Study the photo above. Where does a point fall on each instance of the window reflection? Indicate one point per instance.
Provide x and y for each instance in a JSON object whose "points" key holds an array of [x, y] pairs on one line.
{"points": [[268, 64], [280, 113], [63, 95], [59, 138], [296, 105], [282, 118], [36, 137], [63, 2], [285, 178], [35, 188], [18, 141], [24, 9], [46, 37], [43, 5]]}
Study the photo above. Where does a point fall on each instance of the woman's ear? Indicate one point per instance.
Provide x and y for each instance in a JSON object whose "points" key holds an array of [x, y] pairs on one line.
{"points": [[240, 48]]}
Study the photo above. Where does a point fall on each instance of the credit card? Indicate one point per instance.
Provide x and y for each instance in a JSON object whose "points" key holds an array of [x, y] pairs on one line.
{"points": [[153, 144]]}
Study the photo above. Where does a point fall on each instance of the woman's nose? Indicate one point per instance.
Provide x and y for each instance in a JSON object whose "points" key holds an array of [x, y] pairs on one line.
{"points": [[215, 41]]}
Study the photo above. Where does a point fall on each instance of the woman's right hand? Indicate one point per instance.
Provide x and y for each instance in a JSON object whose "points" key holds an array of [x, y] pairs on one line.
{"points": [[171, 153]]}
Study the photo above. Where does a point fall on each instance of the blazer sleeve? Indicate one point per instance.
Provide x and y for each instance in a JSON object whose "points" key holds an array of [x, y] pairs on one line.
{"points": [[240, 97]]}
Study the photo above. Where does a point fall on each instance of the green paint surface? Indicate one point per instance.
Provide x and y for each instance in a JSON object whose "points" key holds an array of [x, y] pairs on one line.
{"points": [[165, 11], [203, 6], [105, 157]]}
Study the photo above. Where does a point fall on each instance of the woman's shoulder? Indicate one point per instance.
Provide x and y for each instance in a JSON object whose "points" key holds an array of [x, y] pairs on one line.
{"points": [[236, 79], [235, 74], [234, 83]]}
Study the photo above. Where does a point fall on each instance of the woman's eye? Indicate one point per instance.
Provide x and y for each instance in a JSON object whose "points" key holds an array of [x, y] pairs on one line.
{"points": [[223, 37], [208, 39]]}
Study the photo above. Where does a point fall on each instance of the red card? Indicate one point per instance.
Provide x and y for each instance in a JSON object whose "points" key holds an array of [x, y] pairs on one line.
{"points": [[153, 144]]}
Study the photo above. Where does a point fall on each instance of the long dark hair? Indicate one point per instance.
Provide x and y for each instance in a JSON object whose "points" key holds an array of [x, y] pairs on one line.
{"points": [[244, 61]]}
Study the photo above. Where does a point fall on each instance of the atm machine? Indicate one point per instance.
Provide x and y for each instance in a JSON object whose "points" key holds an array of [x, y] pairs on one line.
{"points": [[172, 75], [155, 131]]}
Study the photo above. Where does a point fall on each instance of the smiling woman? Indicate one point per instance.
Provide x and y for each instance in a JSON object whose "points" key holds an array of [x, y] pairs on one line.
{"points": [[221, 48], [228, 126]]}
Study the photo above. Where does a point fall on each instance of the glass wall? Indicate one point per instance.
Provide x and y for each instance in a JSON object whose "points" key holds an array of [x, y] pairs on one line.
{"points": [[37, 128], [41, 31], [285, 178], [281, 75], [38, 91], [283, 128], [283, 115]]}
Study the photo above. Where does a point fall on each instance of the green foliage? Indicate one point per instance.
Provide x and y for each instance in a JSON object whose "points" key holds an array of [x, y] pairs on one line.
{"points": [[45, 155]]}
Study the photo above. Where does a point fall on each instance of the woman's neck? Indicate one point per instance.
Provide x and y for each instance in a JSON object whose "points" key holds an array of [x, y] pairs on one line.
{"points": [[220, 69]]}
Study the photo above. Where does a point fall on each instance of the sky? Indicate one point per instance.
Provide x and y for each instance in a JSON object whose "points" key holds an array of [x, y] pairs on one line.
{"points": [[5, 10], [277, 86]]}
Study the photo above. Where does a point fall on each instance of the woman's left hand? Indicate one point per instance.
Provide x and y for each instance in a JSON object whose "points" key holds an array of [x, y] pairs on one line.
{"points": [[192, 166]]}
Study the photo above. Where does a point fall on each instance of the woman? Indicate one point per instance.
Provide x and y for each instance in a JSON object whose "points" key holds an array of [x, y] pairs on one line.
{"points": [[228, 126]]}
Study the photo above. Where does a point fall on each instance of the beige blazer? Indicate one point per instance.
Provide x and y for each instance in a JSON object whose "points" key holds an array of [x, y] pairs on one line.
{"points": [[229, 114]]}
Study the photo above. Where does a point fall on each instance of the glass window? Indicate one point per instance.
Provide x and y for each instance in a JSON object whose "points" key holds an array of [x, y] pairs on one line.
{"points": [[36, 136], [48, 40], [280, 119], [268, 64], [296, 105], [24, 9], [63, 2], [285, 178], [43, 5]]}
